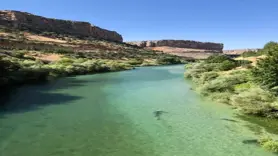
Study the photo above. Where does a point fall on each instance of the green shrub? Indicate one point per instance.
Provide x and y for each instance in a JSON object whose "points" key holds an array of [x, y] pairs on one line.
{"points": [[168, 60], [250, 54], [135, 61], [217, 58], [269, 144], [28, 63], [18, 54], [254, 101], [266, 72], [207, 76], [223, 84], [63, 50], [66, 61], [221, 97], [227, 65], [243, 62], [242, 87], [270, 48], [195, 70]]}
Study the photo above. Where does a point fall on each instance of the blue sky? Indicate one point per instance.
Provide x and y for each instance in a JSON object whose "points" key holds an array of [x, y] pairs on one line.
{"points": [[236, 23]]}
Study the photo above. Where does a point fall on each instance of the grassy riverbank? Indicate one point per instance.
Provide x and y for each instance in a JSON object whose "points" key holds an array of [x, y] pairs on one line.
{"points": [[26, 57], [249, 86]]}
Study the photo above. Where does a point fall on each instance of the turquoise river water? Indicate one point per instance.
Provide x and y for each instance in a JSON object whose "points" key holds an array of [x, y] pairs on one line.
{"points": [[112, 115]]}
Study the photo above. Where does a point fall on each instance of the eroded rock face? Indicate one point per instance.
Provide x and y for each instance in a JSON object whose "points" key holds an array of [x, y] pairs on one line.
{"points": [[180, 44], [238, 51], [37, 24]]}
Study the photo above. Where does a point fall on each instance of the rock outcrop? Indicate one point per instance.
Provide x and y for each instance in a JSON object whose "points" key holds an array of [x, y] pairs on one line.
{"points": [[181, 44], [38, 24], [183, 48], [238, 51]]}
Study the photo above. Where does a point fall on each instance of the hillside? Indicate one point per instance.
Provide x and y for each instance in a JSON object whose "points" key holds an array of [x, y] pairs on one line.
{"points": [[31, 50], [38, 24]]}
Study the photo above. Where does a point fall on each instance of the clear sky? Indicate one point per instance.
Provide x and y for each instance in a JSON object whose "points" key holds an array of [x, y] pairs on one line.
{"points": [[236, 23]]}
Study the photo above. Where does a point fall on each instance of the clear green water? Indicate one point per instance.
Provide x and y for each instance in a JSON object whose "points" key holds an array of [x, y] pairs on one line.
{"points": [[112, 115]]}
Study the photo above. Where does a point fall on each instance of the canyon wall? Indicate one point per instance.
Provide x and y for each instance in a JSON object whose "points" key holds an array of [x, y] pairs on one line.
{"points": [[238, 51], [38, 24], [181, 44], [183, 48]]}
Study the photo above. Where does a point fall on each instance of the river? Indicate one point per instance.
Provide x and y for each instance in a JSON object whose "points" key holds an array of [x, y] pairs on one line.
{"points": [[111, 114]]}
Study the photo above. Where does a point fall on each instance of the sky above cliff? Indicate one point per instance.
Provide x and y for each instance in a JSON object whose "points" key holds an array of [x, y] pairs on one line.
{"points": [[236, 23]]}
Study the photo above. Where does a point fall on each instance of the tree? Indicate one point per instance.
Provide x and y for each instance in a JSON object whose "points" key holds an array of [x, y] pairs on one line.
{"points": [[270, 48], [266, 71]]}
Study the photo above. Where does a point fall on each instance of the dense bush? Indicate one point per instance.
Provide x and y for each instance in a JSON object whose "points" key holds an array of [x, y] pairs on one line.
{"points": [[227, 65], [169, 60], [221, 97], [266, 70], [250, 54], [19, 70], [207, 76], [217, 58], [255, 101], [135, 61], [269, 144], [224, 83], [243, 62], [270, 48]]}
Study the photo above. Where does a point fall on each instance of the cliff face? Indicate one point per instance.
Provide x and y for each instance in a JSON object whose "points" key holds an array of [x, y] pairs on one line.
{"points": [[33, 23], [238, 51], [181, 44]]}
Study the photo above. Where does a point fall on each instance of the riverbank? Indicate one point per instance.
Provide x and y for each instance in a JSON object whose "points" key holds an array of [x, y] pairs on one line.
{"points": [[28, 57], [233, 82]]}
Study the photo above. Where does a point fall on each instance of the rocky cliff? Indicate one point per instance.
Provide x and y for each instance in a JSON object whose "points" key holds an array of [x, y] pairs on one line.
{"points": [[38, 24], [238, 51], [181, 44]]}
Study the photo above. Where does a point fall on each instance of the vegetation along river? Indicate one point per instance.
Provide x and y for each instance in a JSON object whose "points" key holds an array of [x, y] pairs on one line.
{"points": [[112, 114]]}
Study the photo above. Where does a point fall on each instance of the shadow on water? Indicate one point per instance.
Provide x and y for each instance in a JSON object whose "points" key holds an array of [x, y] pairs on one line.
{"points": [[257, 124], [231, 120], [109, 131], [251, 141], [14, 100]]}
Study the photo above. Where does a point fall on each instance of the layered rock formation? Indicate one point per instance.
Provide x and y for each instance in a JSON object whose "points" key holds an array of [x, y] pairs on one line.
{"points": [[238, 51], [181, 44], [38, 24], [184, 48]]}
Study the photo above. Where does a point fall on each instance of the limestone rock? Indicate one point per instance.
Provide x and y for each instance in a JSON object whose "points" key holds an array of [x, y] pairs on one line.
{"points": [[33, 23], [180, 44]]}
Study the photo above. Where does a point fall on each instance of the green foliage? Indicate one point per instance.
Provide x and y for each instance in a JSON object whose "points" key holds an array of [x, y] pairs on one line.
{"points": [[168, 60], [135, 61], [266, 72], [217, 58], [195, 70], [63, 50], [254, 101], [227, 65], [242, 87], [221, 97], [66, 61], [243, 62], [250, 54], [16, 70], [207, 76], [223, 84], [270, 48], [18, 54], [269, 144]]}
